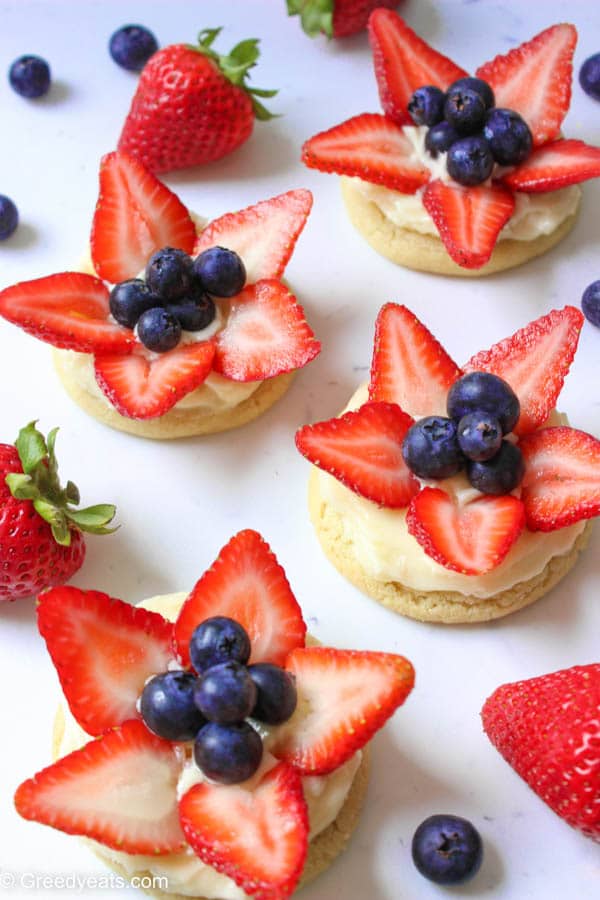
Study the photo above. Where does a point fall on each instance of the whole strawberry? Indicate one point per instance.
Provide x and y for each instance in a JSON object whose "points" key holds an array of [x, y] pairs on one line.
{"points": [[335, 18], [192, 105], [41, 539], [548, 730]]}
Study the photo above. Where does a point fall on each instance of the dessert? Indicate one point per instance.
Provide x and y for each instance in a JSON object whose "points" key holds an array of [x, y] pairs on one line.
{"points": [[482, 504], [204, 361], [447, 182], [174, 782], [335, 18]]}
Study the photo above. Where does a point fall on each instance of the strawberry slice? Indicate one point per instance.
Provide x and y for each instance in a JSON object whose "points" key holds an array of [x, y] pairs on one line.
{"points": [[140, 387], [409, 367], [562, 478], [136, 214], [371, 147], [266, 335], [247, 584], [555, 166], [69, 310], [363, 450], [259, 838], [120, 789], [103, 650], [471, 539], [469, 220], [546, 62], [404, 62], [344, 697], [264, 235], [535, 362]]}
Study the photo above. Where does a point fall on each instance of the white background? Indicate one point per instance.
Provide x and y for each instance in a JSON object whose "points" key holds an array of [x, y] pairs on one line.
{"points": [[180, 502]]}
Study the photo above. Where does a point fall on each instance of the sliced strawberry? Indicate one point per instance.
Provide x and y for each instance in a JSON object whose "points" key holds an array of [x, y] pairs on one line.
{"points": [[259, 838], [404, 62], [69, 310], [555, 166], [247, 584], [471, 539], [562, 478], [264, 235], [120, 790], [534, 79], [266, 335], [143, 388], [469, 220], [344, 697], [103, 650], [409, 367], [534, 361], [363, 450], [370, 147], [136, 214]]}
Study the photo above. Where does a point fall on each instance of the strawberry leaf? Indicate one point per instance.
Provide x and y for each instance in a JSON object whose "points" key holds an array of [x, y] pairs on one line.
{"points": [[93, 519], [31, 448], [21, 486]]}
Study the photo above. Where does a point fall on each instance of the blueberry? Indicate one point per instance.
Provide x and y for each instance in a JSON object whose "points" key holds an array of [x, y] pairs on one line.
{"points": [[129, 299], [590, 302], [228, 754], [470, 161], [29, 76], [132, 46], [220, 271], [478, 85], [589, 76], [484, 392], [426, 106], [168, 709], [440, 138], [225, 693], [430, 448], [479, 436], [169, 273], [194, 312], [447, 849], [276, 696], [158, 330], [499, 475], [465, 110], [9, 217], [218, 640], [508, 136]]}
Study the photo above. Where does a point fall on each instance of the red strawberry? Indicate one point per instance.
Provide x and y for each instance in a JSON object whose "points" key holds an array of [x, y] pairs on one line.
{"points": [[363, 450], [104, 651], [534, 79], [409, 367], [555, 166], [266, 335], [143, 388], [136, 214], [535, 362], [547, 729], [192, 105], [370, 147], [120, 789], [259, 838], [68, 310], [404, 62], [344, 697], [335, 18], [264, 235], [469, 220], [247, 584], [562, 478], [471, 539]]}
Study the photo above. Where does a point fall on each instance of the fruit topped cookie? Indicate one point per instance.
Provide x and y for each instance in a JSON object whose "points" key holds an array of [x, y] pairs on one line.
{"points": [[461, 175], [206, 741]]}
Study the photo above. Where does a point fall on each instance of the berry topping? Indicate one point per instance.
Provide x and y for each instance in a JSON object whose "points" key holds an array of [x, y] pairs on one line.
{"points": [[426, 106], [159, 330], [481, 392], [132, 46], [479, 435], [276, 695], [220, 272], [447, 849], [168, 709], [194, 313], [431, 450], [470, 161], [169, 274], [9, 217], [464, 109], [589, 76], [590, 303], [29, 76], [129, 299], [216, 640], [508, 136], [499, 475], [225, 693], [440, 137], [473, 84], [228, 753], [555, 166]]}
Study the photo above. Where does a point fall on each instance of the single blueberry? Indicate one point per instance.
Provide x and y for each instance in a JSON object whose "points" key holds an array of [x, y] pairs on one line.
{"points": [[220, 271], [440, 138], [430, 448], [470, 161], [499, 475], [465, 110], [589, 76], [132, 46], [479, 436], [508, 136], [194, 312], [218, 640], [129, 299], [225, 693], [228, 754], [168, 709], [29, 76], [484, 392], [9, 217], [158, 330], [447, 849], [276, 696], [169, 273], [426, 106], [590, 303], [478, 85]]}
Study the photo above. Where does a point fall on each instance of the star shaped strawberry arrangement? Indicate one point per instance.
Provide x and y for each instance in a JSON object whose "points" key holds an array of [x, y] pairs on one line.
{"points": [[146, 334], [488, 421], [160, 698], [501, 131]]}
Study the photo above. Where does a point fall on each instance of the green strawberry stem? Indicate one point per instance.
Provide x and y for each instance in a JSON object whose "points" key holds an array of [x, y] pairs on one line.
{"points": [[39, 483], [316, 16]]}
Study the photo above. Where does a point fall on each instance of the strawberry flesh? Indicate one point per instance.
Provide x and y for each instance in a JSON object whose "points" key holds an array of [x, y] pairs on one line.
{"points": [[554, 166]]}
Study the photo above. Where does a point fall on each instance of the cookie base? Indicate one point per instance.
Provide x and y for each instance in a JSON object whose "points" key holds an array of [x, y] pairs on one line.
{"points": [[426, 253]]}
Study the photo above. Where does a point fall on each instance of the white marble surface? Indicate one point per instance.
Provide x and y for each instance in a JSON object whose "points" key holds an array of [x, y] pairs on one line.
{"points": [[179, 503]]}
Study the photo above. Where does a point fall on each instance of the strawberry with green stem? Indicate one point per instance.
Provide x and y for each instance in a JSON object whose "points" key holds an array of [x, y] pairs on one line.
{"points": [[335, 18]]}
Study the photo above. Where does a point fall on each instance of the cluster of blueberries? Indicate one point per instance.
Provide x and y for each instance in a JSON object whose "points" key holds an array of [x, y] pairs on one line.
{"points": [[176, 295], [211, 706], [465, 124], [482, 408]]}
